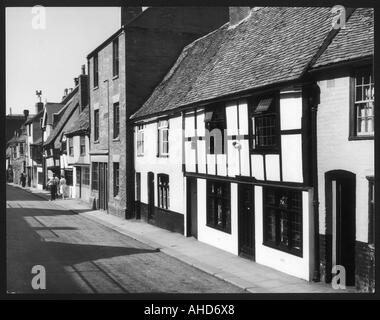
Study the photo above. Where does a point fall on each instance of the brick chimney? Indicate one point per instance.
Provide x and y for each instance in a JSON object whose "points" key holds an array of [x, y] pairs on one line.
{"points": [[238, 13], [129, 13], [83, 88], [26, 114], [39, 107]]}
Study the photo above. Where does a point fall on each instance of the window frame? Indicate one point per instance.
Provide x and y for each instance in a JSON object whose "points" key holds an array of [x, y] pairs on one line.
{"points": [[160, 134], [353, 119], [116, 120], [82, 145], [86, 176], [212, 202], [140, 135], [276, 244], [116, 178], [95, 172], [96, 125], [71, 146], [115, 57], [274, 111], [69, 177], [96, 71], [163, 191], [219, 125]]}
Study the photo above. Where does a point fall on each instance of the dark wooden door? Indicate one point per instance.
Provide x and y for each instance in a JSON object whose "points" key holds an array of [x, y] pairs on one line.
{"points": [[246, 221], [345, 227], [103, 186], [138, 195], [150, 195], [192, 208]]}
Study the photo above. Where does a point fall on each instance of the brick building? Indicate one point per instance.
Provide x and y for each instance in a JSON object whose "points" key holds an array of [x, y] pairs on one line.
{"points": [[123, 71], [296, 127]]}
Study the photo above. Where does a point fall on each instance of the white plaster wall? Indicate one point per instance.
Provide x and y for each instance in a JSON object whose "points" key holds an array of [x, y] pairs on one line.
{"points": [[291, 151], [300, 267], [211, 236], [171, 165], [336, 152]]}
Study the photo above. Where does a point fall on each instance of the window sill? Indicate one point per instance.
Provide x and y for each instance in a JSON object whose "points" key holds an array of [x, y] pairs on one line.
{"points": [[218, 228], [353, 138], [283, 249], [115, 77], [95, 88], [96, 142], [116, 139], [162, 156]]}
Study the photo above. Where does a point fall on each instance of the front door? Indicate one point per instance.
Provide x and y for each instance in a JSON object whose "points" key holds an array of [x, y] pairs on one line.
{"points": [[341, 207], [192, 212], [150, 195], [246, 221], [103, 186]]}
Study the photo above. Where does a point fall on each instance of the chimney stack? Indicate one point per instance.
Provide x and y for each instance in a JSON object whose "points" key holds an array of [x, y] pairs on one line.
{"points": [[26, 114], [39, 107], [83, 69], [237, 14], [129, 13], [76, 81]]}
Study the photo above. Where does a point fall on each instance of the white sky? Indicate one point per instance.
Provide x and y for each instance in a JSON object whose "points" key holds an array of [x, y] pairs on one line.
{"points": [[50, 59]]}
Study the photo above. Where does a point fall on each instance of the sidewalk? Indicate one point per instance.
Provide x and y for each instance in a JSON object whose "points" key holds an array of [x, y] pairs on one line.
{"points": [[253, 277]]}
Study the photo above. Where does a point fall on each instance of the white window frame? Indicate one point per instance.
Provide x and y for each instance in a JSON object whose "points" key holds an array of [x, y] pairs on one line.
{"points": [[163, 125], [369, 107], [140, 140]]}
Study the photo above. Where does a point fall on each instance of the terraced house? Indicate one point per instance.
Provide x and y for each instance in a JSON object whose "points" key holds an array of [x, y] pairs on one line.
{"points": [[66, 151], [123, 71], [258, 132]]}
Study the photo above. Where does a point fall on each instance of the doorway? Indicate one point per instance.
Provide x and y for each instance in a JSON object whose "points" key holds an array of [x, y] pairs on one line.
{"points": [[150, 196], [340, 223], [103, 186], [246, 221], [192, 210]]}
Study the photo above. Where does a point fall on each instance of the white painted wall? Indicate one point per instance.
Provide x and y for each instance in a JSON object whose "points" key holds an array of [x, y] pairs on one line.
{"points": [[301, 267], [336, 152], [211, 236], [171, 165]]}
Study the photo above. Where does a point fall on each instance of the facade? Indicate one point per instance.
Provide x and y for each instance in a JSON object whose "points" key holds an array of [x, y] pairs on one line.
{"points": [[225, 150], [34, 148], [59, 148], [78, 156], [16, 152], [123, 71]]}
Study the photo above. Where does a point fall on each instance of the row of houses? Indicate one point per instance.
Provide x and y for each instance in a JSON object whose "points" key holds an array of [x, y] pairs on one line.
{"points": [[248, 128]]}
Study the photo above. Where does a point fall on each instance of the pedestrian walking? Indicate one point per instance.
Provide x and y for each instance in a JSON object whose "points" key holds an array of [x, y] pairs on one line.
{"points": [[22, 180], [62, 187], [52, 189], [56, 184]]}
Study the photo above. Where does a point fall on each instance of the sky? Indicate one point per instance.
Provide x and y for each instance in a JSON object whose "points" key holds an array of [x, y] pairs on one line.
{"points": [[49, 59]]}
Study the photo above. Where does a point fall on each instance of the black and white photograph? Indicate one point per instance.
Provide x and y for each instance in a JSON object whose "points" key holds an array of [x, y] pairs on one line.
{"points": [[189, 150]]}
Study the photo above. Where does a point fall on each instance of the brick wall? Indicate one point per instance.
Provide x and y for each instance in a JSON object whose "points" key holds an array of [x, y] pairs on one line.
{"points": [[365, 267]]}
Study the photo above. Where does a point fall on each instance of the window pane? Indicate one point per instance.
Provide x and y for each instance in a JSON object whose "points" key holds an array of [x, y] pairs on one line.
{"points": [[270, 225]]}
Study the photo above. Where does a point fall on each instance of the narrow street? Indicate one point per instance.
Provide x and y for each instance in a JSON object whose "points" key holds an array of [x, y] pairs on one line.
{"points": [[82, 256]]}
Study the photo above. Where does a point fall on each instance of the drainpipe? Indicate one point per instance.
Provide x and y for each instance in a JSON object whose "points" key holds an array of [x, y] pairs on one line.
{"points": [[313, 103]]}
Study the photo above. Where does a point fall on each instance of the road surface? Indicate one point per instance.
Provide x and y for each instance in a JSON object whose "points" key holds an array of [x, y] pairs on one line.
{"points": [[82, 256]]}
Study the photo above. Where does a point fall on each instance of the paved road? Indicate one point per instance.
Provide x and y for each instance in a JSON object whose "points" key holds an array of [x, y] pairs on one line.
{"points": [[82, 256]]}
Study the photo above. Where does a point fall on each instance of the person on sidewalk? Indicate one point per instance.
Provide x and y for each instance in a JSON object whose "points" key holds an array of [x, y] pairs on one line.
{"points": [[62, 187], [56, 183], [22, 180], [51, 186]]}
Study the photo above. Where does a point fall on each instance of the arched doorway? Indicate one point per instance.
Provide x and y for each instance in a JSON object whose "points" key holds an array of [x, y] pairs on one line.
{"points": [[340, 192]]}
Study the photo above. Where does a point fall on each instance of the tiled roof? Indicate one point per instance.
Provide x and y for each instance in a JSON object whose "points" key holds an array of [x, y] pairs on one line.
{"points": [[66, 114], [81, 123], [272, 45], [34, 117], [51, 108], [354, 40]]}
